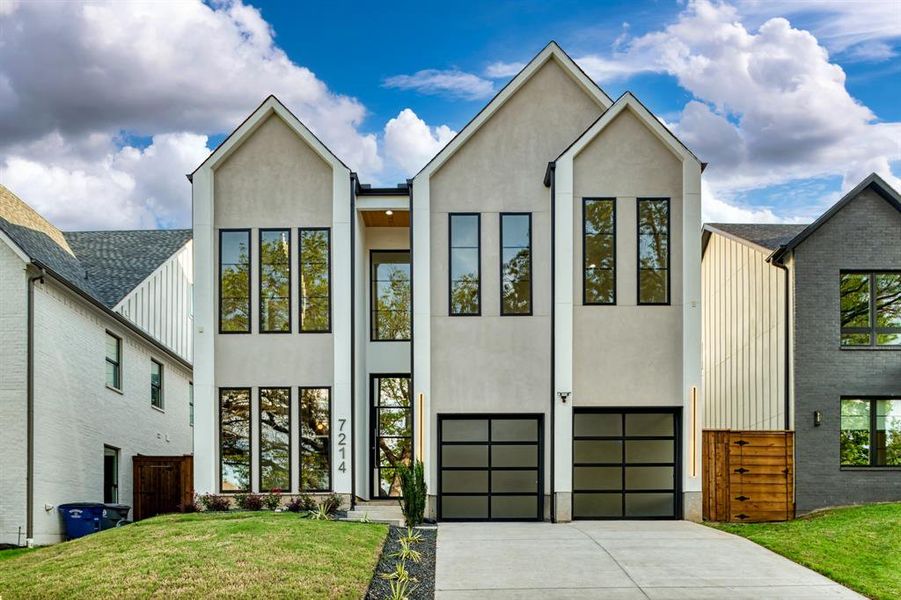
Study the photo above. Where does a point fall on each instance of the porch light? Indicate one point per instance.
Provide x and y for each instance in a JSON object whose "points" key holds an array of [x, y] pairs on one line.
{"points": [[389, 212], [817, 418]]}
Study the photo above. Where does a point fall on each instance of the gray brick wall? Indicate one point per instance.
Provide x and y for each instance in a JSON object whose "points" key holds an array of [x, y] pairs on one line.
{"points": [[865, 234]]}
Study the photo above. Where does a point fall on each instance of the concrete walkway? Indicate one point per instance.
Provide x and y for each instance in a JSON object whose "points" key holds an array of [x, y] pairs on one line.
{"points": [[616, 559]]}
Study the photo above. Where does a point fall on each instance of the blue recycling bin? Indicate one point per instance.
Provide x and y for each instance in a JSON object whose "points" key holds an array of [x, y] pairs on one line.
{"points": [[81, 518]]}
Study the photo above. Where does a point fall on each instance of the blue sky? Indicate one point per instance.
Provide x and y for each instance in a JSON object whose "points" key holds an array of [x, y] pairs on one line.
{"points": [[109, 104]]}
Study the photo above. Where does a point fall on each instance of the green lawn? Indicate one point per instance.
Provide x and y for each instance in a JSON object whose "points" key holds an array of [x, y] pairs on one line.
{"points": [[859, 547], [202, 555]]}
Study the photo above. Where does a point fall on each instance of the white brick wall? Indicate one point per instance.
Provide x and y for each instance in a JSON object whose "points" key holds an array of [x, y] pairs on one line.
{"points": [[75, 413]]}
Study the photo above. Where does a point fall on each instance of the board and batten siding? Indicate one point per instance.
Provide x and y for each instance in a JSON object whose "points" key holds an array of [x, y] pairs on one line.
{"points": [[162, 306], [743, 337]]}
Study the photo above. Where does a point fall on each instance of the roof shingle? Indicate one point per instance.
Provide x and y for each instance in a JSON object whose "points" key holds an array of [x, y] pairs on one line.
{"points": [[766, 235]]}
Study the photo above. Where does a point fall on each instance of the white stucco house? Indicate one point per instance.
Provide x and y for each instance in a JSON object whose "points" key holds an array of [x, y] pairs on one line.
{"points": [[523, 315], [95, 364]]}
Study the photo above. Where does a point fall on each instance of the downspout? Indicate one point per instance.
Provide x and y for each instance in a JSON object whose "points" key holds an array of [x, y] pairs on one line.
{"points": [[786, 356], [353, 342], [29, 477], [551, 171]]}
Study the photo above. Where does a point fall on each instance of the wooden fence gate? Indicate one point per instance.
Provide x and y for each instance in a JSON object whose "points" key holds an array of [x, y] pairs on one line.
{"points": [[162, 484], [748, 475]]}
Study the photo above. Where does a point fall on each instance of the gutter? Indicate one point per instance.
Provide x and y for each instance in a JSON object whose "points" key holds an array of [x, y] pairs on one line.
{"points": [[29, 393], [549, 179], [353, 341], [786, 335]]}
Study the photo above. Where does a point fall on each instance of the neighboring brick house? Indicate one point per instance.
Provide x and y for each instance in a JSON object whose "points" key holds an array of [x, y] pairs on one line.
{"points": [[94, 363], [839, 386]]}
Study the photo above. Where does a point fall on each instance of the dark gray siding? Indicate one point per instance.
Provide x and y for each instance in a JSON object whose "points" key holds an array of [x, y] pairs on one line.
{"points": [[865, 234]]}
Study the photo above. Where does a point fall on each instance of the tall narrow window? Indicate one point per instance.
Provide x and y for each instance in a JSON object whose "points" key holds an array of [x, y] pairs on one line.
{"points": [[465, 264], [234, 440], [599, 247], [871, 309], [315, 288], [191, 403], [110, 475], [653, 251], [390, 295], [516, 263], [113, 361], [275, 281], [275, 439], [156, 384], [871, 432], [234, 281], [315, 439]]}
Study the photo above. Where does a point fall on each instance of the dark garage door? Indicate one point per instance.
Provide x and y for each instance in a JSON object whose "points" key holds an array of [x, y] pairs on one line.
{"points": [[490, 467], [625, 464]]}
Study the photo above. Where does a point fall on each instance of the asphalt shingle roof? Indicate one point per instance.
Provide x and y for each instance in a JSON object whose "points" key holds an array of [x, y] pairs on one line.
{"points": [[767, 235], [106, 265]]}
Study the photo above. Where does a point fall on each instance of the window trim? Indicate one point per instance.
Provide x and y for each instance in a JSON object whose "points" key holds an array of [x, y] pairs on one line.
{"points": [[116, 453], [259, 420], [328, 232], [500, 223], [260, 233], [249, 282], [331, 423], [450, 254], [873, 420], [585, 201], [669, 252], [118, 362], [250, 448], [162, 405], [870, 330], [372, 311]]}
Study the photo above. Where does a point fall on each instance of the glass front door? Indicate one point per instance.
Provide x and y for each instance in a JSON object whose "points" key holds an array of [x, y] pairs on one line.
{"points": [[392, 432]]}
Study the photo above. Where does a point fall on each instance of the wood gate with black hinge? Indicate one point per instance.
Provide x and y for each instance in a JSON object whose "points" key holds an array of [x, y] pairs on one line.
{"points": [[162, 484], [748, 475]]}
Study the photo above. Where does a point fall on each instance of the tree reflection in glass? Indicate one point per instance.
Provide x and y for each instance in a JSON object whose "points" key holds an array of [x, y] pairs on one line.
{"points": [[394, 434], [464, 265], [391, 299], [314, 280], [516, 264], [315, 439], [653, 251], [234, 413], [599, 261], [234, 281], [275, 280], [275, 432]]}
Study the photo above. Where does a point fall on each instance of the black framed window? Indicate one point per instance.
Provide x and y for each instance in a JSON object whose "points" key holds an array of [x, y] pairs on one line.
{"points": [[113, 361], [870, 308], [234, 439], [110, 474], [275, 439], [465, 264], [870, 432], [315, 280], [653, 251], [599, 250], [234, 281], [156, 384], [516, 263], [275, 280], [392, 434], [390, 296], [315, 439], [191, 403]]}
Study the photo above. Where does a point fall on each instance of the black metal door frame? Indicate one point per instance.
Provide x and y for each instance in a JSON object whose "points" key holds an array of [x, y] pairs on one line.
{"points": [[374, 467]]}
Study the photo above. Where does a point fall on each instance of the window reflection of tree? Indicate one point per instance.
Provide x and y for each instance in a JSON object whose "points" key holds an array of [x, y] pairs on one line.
{"points": [[653, 258], [314, 280], [275, 281], [315, 438], [395, 429], [235, 439], [275, 431], [234, 282]]}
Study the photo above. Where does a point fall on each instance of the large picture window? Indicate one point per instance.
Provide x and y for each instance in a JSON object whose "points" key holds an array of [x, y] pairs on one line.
{"points": [[599, 248], [871, 309], [315, 286], [234, 440], [275, 439], [275, 281], [465, 264], [390, 295], [516, 263], [234, 281], [315, 439], [871, 432], [113, 361], [653, 251]]}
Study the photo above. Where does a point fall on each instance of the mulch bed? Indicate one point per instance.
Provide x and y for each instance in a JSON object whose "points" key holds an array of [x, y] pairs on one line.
{"points": [[423, 571]]}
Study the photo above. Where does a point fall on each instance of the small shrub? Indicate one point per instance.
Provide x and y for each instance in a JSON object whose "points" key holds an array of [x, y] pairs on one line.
{"points": [[320, 513], [249, 501], [406, 552], [332, 503], [400, 590], [215, 503], [191, 506], [302, 503], [273, 499], [414, 490], [399, 573], [412, 537]]}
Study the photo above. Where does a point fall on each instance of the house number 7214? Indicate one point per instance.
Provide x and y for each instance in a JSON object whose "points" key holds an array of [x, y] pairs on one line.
{"points": [[342, 445]]}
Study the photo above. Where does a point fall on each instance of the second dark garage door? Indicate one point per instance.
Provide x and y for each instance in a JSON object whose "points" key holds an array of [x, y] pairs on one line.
{"points": [[490, 467], [626, 464]]}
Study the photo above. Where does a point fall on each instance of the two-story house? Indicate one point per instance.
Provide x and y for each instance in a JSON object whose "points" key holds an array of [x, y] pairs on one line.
{"points": [[95, 364], [802, 332], [522, 315]]}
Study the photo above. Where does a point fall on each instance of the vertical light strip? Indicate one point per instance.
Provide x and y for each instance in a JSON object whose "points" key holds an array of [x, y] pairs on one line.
{"points": [[694, 431], [419, 409]]}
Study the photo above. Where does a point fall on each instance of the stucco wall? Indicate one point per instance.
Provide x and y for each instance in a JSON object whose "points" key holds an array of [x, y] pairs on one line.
{"points": [[744, 337], [506, 364], [627, 354], [865, 234]]}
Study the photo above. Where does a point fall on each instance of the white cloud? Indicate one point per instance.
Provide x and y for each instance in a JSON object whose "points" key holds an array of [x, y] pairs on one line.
{"points": [[716, 210], [451, 82], [502, 70], [410, 142]]}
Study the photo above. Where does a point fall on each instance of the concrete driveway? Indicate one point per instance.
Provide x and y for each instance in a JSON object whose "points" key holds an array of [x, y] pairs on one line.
{"points": [[615, 559]]}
